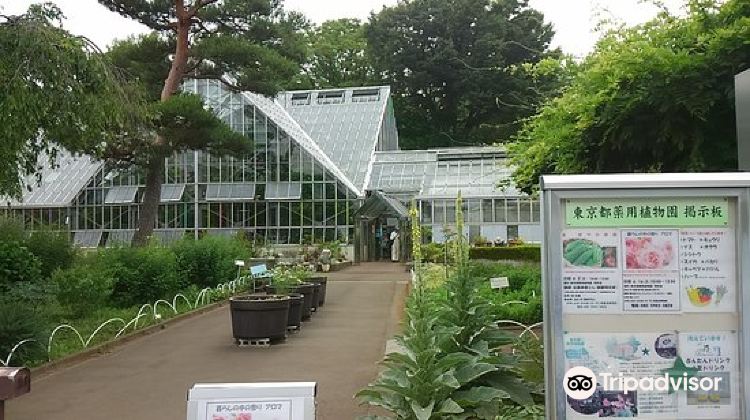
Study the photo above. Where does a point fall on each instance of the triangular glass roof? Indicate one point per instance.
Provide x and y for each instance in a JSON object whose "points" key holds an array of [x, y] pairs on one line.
{"points": [[345, 123]]}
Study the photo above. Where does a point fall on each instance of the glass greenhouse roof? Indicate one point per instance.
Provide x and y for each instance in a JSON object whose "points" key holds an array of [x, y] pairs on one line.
{"points": [[475, 172], [59, 185], [283, 191], [345, 123]]}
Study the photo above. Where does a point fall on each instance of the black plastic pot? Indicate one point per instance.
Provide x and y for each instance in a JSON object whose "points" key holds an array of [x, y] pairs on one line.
{"points": [[295, 310], [316, 296], [323, 280], [307, 290], [259, 316]]}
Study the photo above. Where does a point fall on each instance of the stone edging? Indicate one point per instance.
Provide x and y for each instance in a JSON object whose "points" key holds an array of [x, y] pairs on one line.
{"points": [[106, 347]]}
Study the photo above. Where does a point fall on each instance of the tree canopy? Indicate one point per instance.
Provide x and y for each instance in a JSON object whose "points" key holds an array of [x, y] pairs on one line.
{"points": [[450, 65], [337, 57], [57, 91], [653, 98], [255, 42]]}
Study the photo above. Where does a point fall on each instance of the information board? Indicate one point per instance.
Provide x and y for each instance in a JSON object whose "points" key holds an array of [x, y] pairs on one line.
{"points": [[642, 296]]}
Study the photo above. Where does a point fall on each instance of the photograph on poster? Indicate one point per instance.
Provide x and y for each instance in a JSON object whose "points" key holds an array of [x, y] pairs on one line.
{"points": [[607, 404], [650, 249], [591, 278]]}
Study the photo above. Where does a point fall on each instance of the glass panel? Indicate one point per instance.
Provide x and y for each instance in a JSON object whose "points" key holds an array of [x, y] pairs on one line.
{"points": [[512, 215], [500, 207], [525, 211], [487, 211], [474, 214], [426, 211], [439, 212], [535, 211], [450, 211]]}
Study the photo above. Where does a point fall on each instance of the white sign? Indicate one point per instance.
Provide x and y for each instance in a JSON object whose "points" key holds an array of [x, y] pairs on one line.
{"points": [[249, 410], [499, 282]]}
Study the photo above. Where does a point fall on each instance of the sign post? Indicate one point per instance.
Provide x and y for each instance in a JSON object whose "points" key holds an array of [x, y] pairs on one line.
{"points": [[252, 401], [643, 306]]}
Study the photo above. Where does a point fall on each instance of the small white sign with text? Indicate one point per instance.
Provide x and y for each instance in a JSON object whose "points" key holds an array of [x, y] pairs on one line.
{"points": [[499, 282]]}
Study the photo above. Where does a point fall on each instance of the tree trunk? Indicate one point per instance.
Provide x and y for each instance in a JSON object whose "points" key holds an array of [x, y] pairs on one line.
{"points": [[151, 200], [155, 166]]}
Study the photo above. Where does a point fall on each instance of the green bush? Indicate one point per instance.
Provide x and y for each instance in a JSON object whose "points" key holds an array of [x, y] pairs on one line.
{"points": [[17, 323], [53, 248], [83, 289], [17, 266], [434, 253], [517, 253], [140, 275], [209, 261], [11, 229], [524, 284]]}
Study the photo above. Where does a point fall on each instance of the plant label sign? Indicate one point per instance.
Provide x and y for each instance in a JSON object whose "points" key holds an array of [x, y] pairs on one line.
{"points": [[499, 282], [642, 278], [252, 401]]}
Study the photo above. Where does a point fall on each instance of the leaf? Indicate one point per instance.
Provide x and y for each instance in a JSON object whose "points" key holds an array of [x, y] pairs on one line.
{"points": [[478, 394], [450, 407], [422, 413], [468, 373]]}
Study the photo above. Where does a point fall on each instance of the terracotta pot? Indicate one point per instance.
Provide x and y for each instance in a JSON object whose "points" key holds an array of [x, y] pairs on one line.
{"points": [[259, 316]]}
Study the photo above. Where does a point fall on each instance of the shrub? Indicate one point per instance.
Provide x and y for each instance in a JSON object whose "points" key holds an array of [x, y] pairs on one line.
{"points": [[140, 275], [17, 323], [83, 289], [53, 248], [11, 229], [517, 253], [17, 265], [208, 261], [433, 253]]}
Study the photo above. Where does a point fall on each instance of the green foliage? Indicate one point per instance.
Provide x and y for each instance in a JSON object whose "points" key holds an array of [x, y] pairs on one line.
{"points": [[525, 284], [337, 57], [334, 247], [208, 261], [453, 67], [54, 249], [286, 278], [18, 266], [58, 91], [514, 253], [18, 323], [141, 275], [450, 367], [435, 253], [657, 97], [83, 289], [11, 229]]}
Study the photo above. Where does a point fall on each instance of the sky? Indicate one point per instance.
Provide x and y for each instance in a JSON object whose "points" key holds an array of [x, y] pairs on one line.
{"points": [[573, 20]]}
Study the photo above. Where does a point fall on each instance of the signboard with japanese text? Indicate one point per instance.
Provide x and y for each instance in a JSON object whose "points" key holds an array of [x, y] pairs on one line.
{"points": [[643, 304]]}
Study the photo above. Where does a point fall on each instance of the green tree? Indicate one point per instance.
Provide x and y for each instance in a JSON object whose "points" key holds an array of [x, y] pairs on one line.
{"points": [[254, 41], [450, 64], [653, 98], [337, 57], [57, 91]]}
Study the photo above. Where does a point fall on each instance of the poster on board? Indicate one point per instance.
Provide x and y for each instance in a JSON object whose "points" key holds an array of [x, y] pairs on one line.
{"points": [[707, 272], [591, 278], [650, 278], [667, 356], [249, 410]]}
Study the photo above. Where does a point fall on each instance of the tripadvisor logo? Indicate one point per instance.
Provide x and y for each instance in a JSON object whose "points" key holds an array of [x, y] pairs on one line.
{"points": [[580, 383]]}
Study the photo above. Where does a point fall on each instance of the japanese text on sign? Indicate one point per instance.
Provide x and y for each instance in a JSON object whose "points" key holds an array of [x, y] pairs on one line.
{"points": [[646, 212]]}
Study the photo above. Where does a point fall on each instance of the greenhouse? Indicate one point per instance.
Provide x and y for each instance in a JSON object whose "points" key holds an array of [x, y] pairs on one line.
{"points": [[317, 156]]}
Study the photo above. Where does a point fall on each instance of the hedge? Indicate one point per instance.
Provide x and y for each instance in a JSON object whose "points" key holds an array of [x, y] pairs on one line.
{"points": [[517, 253]]}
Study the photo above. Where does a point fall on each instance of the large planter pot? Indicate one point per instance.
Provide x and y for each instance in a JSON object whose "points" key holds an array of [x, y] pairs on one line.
{"points": [[259, 316], [316, 296], [323, 281], [307, 290], [295, 311]]}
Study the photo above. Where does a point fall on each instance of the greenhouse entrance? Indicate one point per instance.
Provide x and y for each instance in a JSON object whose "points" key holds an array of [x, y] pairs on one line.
{"points": [[375, 222]]}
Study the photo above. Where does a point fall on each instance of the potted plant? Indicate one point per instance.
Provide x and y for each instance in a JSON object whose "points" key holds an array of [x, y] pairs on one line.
{"points": [[259, 317], [322, 282], [284, 281]]}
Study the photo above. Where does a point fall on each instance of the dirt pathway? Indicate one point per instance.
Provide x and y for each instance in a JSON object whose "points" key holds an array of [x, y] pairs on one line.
{"points": [[148, 378]]}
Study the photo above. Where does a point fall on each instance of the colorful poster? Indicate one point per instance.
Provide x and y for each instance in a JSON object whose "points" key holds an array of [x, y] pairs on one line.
{"points": [[249, 410], [591, 276], [707, 259], [650, 279], [711, 355], [615, 356]]}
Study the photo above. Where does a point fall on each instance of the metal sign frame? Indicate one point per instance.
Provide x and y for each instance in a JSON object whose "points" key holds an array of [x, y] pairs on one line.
{"points": [[556, 189]]}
